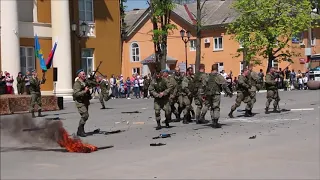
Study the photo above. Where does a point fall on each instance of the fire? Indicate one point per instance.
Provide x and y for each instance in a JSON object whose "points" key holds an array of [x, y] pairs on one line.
{"points": [[74, 145]]}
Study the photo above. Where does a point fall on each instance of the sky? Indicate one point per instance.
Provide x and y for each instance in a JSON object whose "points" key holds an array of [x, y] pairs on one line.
{"points": [[133, 4]]}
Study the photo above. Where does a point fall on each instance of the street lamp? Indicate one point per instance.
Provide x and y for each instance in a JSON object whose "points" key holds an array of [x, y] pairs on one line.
{"points": [[83, 29], [185, 40]]}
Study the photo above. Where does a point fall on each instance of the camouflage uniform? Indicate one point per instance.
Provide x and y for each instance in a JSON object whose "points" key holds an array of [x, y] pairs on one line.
{"points": [[254, 83], [104, 95], [174, 98], [36, 94], [243, 94], [82, 101], [20, 84], [185, 98], [272, 92], [214, 84], [199, 81], [157, 86]]}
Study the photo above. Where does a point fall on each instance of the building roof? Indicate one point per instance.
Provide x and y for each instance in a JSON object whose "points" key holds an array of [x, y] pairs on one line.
{"points": [[215, 12], [151, 59]]}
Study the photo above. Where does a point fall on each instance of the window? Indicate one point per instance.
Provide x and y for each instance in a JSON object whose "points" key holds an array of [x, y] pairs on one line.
{"points": [[313, 38], [241, 66], [86, 10], [275, 64], [220, 67], [27, 59], [136, 71], [193, 45], [87, 60], [218, 44], [135, 52]]}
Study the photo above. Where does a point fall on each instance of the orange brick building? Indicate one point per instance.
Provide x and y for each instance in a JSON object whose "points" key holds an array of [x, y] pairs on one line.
{"points": [[216, 45], [52, 21]]}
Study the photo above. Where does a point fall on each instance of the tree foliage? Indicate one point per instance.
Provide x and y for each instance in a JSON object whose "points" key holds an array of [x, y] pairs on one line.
{"points": [[160, 18], [265, 27]]}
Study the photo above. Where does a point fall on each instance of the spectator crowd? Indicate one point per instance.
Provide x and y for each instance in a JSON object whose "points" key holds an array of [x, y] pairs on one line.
{"points": [[6, 83]]}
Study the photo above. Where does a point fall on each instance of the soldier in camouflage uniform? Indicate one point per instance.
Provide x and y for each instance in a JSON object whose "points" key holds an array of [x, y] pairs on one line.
{"points": [[35, 91], [243, 94], [254, 82], [105, 88], [174, 98], [160, 90], [191, 86], [198, 80], [20, 83], [272, 91], [82, 97], [213, 85], [186, 96]]}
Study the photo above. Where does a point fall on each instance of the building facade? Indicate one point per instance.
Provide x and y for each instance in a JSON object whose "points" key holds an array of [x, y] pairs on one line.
{"points": [[216, 45], [87, 32]]}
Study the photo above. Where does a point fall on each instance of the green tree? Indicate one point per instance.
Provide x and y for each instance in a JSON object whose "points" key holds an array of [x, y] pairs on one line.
{"points": [[198, 33], [160, 18], [265, 28]]}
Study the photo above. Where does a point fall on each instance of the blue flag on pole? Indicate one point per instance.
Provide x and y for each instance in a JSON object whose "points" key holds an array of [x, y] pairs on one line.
{"points": [[39, 54]]}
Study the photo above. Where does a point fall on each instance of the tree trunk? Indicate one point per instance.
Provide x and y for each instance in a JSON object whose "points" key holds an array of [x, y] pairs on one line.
{"points": [[245, 60], [198, 34], [270, 59]]}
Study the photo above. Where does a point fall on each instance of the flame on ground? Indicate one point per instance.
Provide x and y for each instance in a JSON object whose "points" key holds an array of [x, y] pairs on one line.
{"points": [[74, 145]]}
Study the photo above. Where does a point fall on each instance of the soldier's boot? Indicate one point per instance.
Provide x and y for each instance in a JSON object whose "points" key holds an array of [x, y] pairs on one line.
{"points": [[247, 114], [39, 113], [178, 119], [32, 114], [167, 123], [158, 125], [231, 114], [266, 110], [103, 107], [215, 124], [193, 114], [275, 110], [250, 112], [80, 131], [200, 120], [185, 119]]}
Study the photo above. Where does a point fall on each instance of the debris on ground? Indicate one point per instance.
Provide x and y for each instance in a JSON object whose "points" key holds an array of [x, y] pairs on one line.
{"points": [[130, 112], [157, 144], [55, 118], [163, 136], [138, 123], [253, 137]]}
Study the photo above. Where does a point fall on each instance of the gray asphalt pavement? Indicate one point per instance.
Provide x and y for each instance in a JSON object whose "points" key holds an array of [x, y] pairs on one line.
{"points": [[286, 144]]}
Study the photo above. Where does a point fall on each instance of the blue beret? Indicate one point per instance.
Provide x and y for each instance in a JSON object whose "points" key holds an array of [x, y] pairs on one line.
{"points": [[165, 70], [34, 70], [79, 71]]}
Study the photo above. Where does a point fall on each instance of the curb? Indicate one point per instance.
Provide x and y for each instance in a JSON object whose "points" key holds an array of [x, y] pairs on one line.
{"points": [[262, 91]]}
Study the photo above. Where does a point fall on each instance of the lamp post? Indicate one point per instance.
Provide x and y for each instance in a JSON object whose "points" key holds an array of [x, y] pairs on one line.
{"points": [[185, 40], [82, 33]]}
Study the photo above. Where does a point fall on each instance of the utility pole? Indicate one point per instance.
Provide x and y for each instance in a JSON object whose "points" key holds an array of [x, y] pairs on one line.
{"points": [[198, 34]]}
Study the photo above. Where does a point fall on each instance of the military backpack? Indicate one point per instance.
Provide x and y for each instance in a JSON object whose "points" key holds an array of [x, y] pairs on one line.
{"points": [[212, 86]]}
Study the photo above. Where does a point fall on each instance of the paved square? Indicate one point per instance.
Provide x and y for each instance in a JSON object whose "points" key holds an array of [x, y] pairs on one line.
{"points": [[286, 144]]}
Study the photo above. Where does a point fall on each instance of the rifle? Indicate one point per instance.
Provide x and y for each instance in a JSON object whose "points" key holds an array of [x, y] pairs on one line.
{"points": [[92, 77]]}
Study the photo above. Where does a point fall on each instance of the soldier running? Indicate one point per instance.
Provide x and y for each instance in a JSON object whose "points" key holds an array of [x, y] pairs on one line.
{"points": [[186, 97], [82, 97], [176, 94], [199, 81], [35, 91], [214, 84], [190, 76], [160, 90], [272, 91], [105, 88], [254, 83], [243, 94]]}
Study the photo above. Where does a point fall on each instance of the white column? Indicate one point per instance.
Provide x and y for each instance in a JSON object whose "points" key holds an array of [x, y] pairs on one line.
{"points": [[62, 57], [10, 43]]}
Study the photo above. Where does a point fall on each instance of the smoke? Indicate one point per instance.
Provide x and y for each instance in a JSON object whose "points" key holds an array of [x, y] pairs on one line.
{"points": [[25, 130]]}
